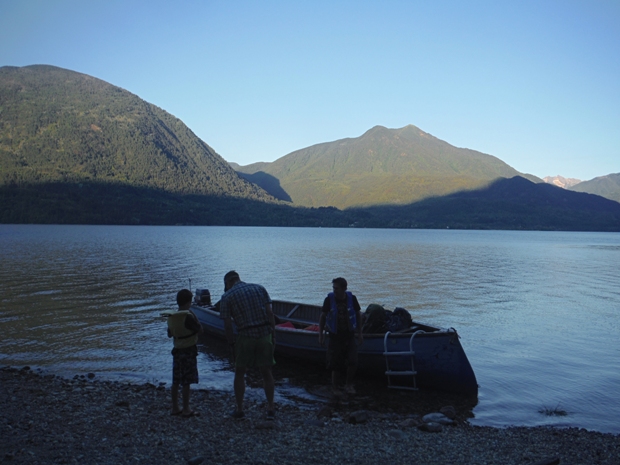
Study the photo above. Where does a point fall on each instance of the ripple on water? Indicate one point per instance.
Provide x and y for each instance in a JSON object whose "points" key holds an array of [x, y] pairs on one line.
{"points": [[537, 312]]}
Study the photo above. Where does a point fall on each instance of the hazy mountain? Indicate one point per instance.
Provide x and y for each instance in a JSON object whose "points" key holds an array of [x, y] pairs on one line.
{"points": [[383, 166], [605, 186], [65, 128], [561, 181]]}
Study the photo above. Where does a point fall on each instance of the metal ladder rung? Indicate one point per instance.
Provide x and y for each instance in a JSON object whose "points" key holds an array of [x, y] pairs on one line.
{"points": [[408, 388], [410, 353]]}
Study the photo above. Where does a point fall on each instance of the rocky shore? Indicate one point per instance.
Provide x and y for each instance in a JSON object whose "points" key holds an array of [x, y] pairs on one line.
{"points": [[45, 419]]}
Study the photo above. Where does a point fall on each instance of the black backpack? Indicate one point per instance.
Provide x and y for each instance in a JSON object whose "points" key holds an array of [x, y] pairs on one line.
{"points": [[375, 319], [399, 319]]}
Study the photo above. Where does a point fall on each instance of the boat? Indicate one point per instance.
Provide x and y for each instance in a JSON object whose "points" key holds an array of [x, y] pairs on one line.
{"points": [[418, 356]]}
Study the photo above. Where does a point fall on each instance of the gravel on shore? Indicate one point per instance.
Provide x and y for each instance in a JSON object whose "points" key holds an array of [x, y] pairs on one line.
{"points": [[46, 419]]}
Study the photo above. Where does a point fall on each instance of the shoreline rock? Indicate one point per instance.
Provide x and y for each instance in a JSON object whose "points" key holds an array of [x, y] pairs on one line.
{"points": [[47, 419]]}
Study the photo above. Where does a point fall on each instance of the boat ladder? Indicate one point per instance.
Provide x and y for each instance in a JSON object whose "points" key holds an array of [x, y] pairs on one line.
{"points": [[390, 371]]}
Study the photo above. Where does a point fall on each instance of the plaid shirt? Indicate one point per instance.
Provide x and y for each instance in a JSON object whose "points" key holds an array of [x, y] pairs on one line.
{"points": [[246, 304]]}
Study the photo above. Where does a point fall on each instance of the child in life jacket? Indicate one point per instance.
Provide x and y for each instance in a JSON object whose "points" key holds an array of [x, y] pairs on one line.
{"points": [[184, 327]]}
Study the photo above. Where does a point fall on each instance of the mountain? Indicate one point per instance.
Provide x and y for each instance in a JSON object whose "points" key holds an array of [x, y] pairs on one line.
{"points": [[77, 150], [514, 203], [60, 128], [605, 186], [560, 181], [381, 167]]}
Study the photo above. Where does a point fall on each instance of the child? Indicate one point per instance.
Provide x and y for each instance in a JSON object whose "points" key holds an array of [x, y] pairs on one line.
{"points": [[184, 327]]}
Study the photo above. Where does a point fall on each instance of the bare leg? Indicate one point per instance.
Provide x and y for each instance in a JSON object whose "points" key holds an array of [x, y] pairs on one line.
{"points": [[349, 388], [335, 379], [175, 399], [351, 375], [268, 385], [351, 367], [186, 391], [239, 385]]}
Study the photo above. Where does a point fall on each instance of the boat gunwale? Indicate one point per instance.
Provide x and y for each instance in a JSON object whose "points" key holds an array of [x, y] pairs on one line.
{"points": [[406, 333]]}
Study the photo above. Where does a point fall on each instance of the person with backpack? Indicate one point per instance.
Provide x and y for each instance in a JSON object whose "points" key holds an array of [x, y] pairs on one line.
{"points": [[341, 317]]}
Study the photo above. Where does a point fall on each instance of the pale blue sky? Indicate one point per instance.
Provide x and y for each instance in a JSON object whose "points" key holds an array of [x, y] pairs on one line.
{"points": [[535, 83]]}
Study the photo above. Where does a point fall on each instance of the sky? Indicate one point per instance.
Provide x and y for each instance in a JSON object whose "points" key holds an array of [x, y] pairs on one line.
{"points": [[534, 83]]}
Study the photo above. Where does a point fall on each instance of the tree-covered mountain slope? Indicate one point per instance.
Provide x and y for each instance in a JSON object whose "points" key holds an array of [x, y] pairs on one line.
{"points": [[75, 149], [605, 186], [60, 127], [514, 203], [381, 167]]}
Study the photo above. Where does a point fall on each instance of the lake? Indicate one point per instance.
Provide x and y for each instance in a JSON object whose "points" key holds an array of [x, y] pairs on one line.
{"points": [[538, 312]]}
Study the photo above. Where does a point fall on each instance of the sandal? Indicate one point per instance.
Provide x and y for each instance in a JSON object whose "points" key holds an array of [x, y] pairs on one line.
{"points": [[236, 414]]}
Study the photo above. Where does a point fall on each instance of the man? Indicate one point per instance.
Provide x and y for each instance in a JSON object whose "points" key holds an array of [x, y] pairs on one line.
{"points": [[249, 306], [341, 314]]}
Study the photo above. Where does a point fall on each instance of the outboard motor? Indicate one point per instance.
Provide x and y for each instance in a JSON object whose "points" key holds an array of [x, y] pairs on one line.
{"points": [[203, 297]]}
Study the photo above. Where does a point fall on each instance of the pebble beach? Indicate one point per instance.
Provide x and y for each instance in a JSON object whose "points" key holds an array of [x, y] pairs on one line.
{"points": [[46, 419]]}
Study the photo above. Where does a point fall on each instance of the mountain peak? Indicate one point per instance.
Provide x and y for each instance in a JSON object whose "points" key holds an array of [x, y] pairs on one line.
{"points": [[382, 166], [561, 181]]}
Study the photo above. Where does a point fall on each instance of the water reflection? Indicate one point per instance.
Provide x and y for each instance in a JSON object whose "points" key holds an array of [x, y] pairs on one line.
{"points": [[537, 312]]}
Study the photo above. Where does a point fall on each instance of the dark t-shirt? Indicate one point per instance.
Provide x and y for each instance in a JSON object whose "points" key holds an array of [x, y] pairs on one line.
{"points": [[343, 313]]}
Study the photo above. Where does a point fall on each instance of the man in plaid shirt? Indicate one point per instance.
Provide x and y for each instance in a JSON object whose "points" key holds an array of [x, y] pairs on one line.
{"points": [[249, 305]]}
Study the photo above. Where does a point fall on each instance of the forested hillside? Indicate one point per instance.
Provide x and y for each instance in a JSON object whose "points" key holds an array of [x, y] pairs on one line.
{"points": [[59, 127], [515, 203], [605, 186], [77, 150], [381, 167]]}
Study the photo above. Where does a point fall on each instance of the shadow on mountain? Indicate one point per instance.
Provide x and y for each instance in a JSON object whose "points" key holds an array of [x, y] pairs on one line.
{"points": [[115, 203], [269, 183], [514, 204]]}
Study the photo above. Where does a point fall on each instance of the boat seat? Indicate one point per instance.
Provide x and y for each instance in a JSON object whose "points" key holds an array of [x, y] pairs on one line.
{"points": [[404, 330], [292, 311]]}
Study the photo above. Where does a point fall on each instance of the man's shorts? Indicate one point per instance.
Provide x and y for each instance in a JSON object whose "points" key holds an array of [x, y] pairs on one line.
{"points": [[341, 351], [254, 352], [185, 366]]}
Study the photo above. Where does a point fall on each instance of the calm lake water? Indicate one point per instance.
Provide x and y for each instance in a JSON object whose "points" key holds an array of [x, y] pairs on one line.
{"points": [[538, 312]]}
